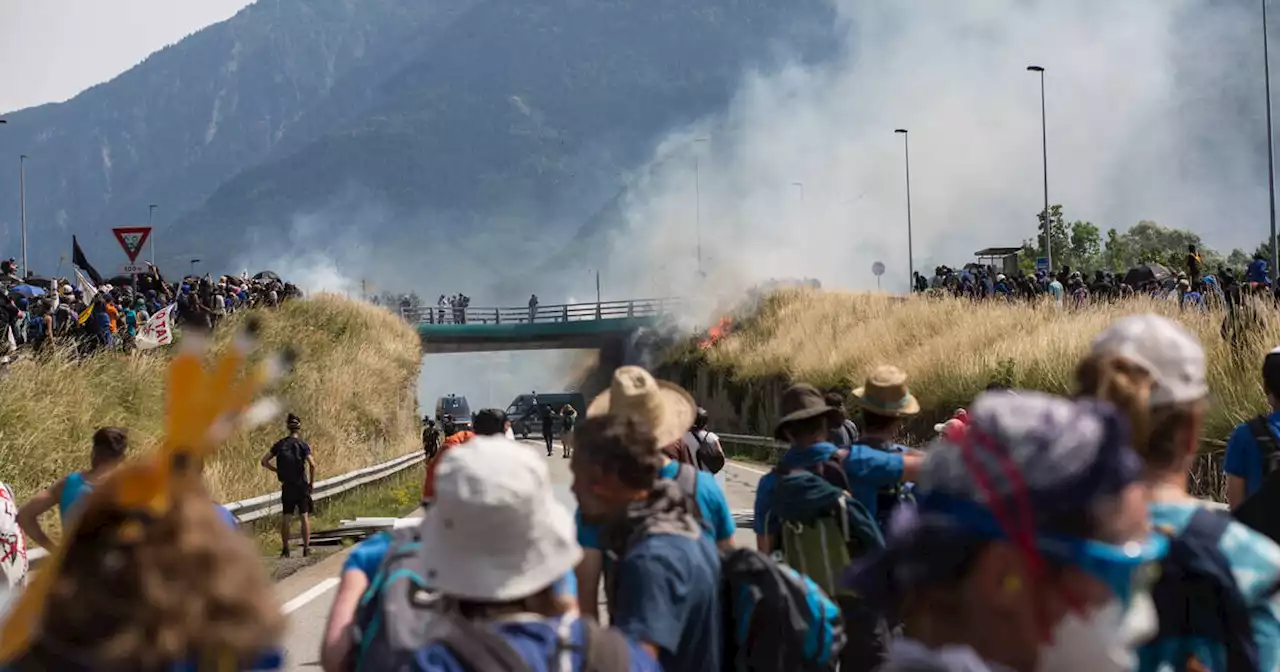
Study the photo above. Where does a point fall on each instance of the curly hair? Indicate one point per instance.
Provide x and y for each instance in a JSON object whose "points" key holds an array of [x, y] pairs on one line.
{"points": [[141, 593]]}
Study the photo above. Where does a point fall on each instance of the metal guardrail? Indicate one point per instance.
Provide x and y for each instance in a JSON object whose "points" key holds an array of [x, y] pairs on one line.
{"points": [[256, 508], [569, 312]]}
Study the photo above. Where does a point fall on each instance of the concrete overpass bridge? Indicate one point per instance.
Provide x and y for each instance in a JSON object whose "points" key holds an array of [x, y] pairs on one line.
{"points": [[606, 326]]}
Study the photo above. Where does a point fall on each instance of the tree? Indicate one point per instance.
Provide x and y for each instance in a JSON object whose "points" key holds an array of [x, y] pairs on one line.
{"points": [[1117, 254], [1086, 245], [1238, 259]]}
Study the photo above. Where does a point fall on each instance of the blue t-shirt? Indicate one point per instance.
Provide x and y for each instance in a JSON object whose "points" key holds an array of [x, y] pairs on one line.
{"points": [[74, 489], [1244, 459], [716, 518], [867, 469], [535, 639], [668, 595], [1255, 563]]}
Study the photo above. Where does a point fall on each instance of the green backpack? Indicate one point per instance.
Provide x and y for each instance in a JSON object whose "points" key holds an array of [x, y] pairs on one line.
{"points": [[823, 527]]}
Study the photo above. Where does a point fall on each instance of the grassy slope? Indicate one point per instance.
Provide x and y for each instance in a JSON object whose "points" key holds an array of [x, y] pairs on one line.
{"points": [[353, 386], [953, 349]]}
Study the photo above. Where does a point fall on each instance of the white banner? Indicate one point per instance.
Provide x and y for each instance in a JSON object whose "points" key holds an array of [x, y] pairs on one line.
{"points": [[86, 288], [158, 331]]}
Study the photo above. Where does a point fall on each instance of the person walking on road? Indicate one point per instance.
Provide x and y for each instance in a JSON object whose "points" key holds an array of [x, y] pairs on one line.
{"points": [[109, 447], [507, 582], [708, 454], [453, 437], [568, 418], [548, 426], [295, 467]]}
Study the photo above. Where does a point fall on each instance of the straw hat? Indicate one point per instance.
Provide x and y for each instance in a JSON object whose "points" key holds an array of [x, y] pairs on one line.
{"points": [[666, 408], [886, 393]]}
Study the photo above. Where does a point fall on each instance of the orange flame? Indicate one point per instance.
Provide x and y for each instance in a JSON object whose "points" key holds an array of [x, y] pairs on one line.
{"points": [[716, 333]]}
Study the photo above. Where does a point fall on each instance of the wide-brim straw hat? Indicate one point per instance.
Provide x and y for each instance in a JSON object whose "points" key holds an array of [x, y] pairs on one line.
{"points": [[665, 407], [886, 393], [803, 401]]}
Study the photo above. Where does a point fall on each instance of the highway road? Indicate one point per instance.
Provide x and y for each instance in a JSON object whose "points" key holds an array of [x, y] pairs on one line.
{"points": [[306, 596]]}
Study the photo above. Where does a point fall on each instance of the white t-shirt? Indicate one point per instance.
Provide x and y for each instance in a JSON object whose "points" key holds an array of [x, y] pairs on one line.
{"points": [[13, 549]]}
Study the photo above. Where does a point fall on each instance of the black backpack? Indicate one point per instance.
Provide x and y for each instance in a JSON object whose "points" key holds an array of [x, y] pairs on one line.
{"points": [[291, 464], [709, 456], [1197, 596], [1259, 510]]}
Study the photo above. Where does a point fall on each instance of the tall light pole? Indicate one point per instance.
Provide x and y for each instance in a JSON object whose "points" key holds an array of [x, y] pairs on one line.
{"points": [[1271, 151], [1044, 145], [697, 191], [22, 204], [151, 209], [801, 185], [911, 256]]}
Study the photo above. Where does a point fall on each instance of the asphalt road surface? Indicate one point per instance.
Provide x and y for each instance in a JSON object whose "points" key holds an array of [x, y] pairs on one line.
{"points": [[306, 596]]}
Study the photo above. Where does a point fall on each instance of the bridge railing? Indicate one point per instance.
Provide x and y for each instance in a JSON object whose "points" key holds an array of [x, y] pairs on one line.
{"points": [[540, 314]]}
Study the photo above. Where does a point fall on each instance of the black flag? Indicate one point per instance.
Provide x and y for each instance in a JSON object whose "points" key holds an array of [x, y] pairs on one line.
{"points": [[78, 258]]}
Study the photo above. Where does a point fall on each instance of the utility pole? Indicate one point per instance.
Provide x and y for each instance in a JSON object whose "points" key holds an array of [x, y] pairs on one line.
{"points": [[1271, 150], [22, 203], [1044, 142], [911, 257], [151, 209]]}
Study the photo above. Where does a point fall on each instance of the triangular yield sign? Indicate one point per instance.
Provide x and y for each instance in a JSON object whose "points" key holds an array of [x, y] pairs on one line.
{"points": [[132, 238]]}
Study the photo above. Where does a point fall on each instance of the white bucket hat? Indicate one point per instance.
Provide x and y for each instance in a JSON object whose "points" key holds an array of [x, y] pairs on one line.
{"points": [[495, 532], [665, 407]]}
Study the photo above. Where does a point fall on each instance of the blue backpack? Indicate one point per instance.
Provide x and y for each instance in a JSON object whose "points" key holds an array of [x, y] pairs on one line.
{"points": [[775, 618], [1197, 596], [393, 616]]}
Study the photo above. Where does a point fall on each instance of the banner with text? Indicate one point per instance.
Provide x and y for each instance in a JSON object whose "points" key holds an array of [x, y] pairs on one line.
{"points": [[158, 331]]}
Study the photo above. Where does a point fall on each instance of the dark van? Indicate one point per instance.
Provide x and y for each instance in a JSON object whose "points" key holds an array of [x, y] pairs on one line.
{"points": [[525, 412], [455, 406]]}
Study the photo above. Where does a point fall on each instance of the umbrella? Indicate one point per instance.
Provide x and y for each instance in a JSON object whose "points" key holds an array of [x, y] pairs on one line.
{"points": [[1144, 273], [27, 291], [266, 275]]}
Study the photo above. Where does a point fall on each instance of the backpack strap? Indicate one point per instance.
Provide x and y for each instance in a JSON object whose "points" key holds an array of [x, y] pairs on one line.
{"points": [[1268, 447], [687, 479], [606, 649], [479, 648], [832, 470], [1203, 535]]}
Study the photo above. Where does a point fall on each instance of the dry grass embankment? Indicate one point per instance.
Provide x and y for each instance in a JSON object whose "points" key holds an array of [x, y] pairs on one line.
{"points": [[953, 349], [353, 386]]}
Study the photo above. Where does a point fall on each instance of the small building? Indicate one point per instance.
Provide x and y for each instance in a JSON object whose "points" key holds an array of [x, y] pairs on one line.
{"points": [[1003, 258]]}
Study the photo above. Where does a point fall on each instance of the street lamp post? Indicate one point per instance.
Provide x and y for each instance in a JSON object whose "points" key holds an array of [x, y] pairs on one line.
{"points": [[801, 185], [1044, 145], [193, 265], [1271, 151], [697, 195], [22, 204], [911, 257], [151, 209]]}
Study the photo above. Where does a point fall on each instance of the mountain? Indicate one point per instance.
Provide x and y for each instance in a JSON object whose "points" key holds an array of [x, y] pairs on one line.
{"points": [[402, 125]]}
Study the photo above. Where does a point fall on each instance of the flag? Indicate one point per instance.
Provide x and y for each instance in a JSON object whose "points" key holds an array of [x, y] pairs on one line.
{"points": [[158, 331], [78, 258], [89, 292]]}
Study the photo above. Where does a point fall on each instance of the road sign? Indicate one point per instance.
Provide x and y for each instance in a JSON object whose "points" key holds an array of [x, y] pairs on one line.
{"points": [[1042, 264], [130, 269], [132, 238], [877, 268]]}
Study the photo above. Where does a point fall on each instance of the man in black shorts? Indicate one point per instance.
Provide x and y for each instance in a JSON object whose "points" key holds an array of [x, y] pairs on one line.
{"points": [[296, 470]]}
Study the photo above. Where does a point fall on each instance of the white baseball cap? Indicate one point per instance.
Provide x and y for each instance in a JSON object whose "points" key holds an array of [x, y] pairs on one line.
{"points": [[1171, 354], [495, 532]]}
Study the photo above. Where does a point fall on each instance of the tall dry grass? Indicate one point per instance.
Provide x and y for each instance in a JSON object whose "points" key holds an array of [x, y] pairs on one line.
{"points": [[952, 349], [353, 386]]}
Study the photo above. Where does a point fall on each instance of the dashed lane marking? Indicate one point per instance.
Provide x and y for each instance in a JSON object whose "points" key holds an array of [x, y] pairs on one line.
{"points": [[315, 591]]}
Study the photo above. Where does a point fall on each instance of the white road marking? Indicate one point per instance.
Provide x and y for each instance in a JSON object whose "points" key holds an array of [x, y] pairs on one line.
{"points": [[744, 467], [315, 591]]}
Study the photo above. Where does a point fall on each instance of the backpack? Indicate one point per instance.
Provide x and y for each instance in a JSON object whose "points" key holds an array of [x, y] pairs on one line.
{"points": [[843, 436], [1197, 596], [480, 648], [393, 615], [1257, 511], [823, 527], [35, 328], [709, 456], [799, 626], [1268, 449], [291, 464]]}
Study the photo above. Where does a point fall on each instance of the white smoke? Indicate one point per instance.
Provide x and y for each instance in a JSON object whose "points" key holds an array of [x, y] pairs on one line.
{"points": [[1154, 112]]}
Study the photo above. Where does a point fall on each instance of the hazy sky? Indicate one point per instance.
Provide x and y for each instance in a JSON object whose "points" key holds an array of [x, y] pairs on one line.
{"points": [[50, 50]]}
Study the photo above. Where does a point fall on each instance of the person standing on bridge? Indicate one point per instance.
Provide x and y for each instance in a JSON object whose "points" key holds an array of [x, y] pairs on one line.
{"points": [[533, 308], [296, 470]]}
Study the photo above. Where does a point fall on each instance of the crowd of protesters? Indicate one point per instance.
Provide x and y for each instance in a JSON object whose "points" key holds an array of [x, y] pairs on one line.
{"points": [[1036, 533], [45, 313], [1191, 285]]}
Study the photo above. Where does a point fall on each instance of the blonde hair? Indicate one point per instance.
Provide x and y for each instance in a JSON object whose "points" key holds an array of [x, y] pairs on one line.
{"points": [[1127, 386], [188, 587]]}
